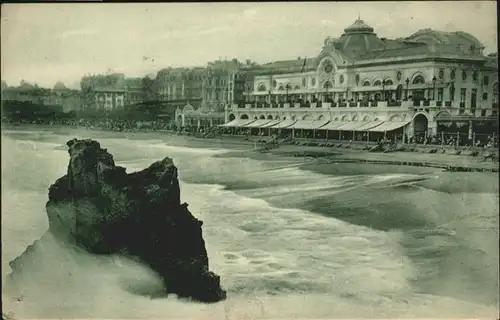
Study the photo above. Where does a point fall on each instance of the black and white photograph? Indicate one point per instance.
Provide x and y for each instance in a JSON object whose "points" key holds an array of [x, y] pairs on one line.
{"points": [[250, 160]]}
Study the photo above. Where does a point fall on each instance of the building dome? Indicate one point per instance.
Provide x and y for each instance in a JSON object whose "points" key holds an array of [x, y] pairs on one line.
{"points": [[59, 86], [359, 26], [436, 37], [358, 39]]}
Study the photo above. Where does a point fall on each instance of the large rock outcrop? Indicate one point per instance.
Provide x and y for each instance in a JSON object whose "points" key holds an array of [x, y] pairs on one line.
{"points": [[99, 207]]}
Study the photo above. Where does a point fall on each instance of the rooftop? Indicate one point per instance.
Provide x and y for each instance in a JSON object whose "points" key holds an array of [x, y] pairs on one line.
{"points": [[359, 42]]}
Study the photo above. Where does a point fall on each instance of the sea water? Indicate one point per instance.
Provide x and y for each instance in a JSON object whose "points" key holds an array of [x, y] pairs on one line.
{"points": [[286, 241]]}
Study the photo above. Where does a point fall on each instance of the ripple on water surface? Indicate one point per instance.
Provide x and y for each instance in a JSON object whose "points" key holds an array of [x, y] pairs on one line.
{"points": [[276, 255]]}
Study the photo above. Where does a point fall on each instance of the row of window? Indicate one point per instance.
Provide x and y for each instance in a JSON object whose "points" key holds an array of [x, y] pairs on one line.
{"points": [[417, 80]]}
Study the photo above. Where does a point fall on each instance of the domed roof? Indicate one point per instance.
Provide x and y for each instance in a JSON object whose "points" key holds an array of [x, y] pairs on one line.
{"points": [[359, 26], [59, 86], [431, 36], [358, 39]]}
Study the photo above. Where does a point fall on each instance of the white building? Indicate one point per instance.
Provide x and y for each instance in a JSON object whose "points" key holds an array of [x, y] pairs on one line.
{"points": [[360, 82]]}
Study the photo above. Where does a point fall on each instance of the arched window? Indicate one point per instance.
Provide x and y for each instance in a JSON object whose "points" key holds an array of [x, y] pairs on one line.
{"points": [[419, 80], [261, 88], [388, 82], [366, 83], [377, 83], [327, 85], [281, 88], [296, 88]]}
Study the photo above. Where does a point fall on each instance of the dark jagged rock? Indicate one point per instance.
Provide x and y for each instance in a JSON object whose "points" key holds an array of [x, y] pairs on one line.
{"points": [[99, 207]]}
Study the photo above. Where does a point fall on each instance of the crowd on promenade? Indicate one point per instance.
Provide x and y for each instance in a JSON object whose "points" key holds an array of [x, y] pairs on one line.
{"points": [[442, 139]]}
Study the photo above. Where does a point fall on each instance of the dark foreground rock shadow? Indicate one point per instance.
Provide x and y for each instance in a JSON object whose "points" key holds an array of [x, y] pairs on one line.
{"points": [[101, 209]]}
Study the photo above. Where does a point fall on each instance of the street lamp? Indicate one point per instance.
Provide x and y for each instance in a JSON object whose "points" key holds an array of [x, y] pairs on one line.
{"points": [[434, 88], [407, 81], [452, 90], [383, 90]]}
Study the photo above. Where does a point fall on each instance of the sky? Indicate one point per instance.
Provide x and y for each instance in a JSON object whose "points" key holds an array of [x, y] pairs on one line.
{"points": [[46, 43]]}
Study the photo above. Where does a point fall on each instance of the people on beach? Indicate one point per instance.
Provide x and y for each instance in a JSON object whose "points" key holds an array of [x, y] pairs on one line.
{"points": [[449, 140]]}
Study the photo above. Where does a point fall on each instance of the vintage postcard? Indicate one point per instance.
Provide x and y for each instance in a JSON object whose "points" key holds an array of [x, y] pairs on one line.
{"points": [[250, 160]]}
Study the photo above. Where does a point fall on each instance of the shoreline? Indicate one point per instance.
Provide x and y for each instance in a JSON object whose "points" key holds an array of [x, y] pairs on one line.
{"points": [[239, 147]]}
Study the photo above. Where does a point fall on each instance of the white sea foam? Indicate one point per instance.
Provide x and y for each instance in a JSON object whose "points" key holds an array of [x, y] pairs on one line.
{"points": [[274, 262]]}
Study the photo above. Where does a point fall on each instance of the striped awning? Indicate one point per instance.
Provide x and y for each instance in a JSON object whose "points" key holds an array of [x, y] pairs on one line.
{"points": [[369, 125], [271, 123], [237, 123], [257, 123], [284, 124], [333, 125], [389, 126], [309, 124], [351, 126]]}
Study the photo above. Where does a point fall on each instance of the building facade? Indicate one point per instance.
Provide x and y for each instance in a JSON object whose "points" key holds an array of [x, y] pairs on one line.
{"points": [[135, 91], [104, 92], [201, 118], [364, 80], [59, 97], [222, 83]]}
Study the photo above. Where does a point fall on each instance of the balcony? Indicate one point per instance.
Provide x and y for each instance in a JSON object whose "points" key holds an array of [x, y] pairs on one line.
{"points": [[326, 105], [447, 103], [439, 103], [296, 105], [342, 104], [353, 104], [374, 104], [394, 103]]}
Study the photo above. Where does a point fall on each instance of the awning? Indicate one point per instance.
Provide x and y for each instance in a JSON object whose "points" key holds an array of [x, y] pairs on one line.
{"points": [[309, 124], [391, 87], [333, 125], [284, 124], [271, 123], [389, 126], [369, 125], [351, 126], [237, 123], [257, 123]]}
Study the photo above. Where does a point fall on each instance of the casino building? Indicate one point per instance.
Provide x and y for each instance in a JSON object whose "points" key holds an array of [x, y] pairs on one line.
{"points": [[417, 86]]}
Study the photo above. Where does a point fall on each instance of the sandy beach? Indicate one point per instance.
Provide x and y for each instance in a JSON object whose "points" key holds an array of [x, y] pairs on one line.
{"points": [[240, 147]]}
